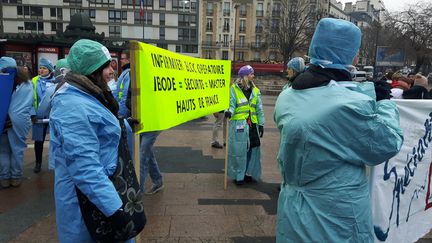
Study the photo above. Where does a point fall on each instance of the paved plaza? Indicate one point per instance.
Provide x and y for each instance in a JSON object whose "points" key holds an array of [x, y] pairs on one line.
{"points": [[193, 207]]}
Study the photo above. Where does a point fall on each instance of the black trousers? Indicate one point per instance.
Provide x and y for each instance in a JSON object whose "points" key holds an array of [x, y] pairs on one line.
{"points": [[38, 145]]}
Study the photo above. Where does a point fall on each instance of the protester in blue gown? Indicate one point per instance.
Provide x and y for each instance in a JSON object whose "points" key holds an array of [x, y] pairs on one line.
{"points": [[330, 129], [45, 80], [246, 126], [85, 135], [13, 137]]}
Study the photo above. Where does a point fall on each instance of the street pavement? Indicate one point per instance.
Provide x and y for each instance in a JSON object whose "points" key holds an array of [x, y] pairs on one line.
{"points": [[193, 206]]}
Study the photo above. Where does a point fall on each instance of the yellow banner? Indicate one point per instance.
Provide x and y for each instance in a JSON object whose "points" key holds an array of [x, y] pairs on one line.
{"points": [[172, 88]]}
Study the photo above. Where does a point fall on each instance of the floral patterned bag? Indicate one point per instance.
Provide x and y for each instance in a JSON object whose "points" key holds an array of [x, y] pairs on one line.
{"points": [[100, 227]]}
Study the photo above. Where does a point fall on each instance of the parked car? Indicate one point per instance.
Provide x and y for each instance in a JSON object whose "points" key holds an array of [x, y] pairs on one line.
{"points": [[359, 76]]}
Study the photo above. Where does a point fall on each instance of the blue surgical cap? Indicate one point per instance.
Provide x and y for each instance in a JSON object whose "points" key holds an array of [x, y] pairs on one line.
{"points": [[297, 64], [335, 43], [245, 71], [7, 62], [43, 62]]}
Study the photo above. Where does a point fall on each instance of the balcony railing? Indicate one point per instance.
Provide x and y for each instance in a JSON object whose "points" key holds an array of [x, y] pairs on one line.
{"points": [[226, 12], [209, 12], [226, 29], [239, 44], [243, 13], [259, 13], [274, 45], [242, 30], [209, 28], [258, 45]]}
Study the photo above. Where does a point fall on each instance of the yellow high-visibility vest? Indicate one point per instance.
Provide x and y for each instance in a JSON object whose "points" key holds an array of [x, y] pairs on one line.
{"points": [[35, 98], [245, 107]]}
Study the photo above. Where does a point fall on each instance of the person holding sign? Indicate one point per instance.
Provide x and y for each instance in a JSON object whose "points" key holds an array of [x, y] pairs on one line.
{"points": [[13, 136], [246, 126], [41, 83], [330, 129], [85, 135]]}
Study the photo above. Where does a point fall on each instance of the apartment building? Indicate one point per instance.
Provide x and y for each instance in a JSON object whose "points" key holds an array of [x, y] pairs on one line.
{"points": [[170, 24], [241, 30]]}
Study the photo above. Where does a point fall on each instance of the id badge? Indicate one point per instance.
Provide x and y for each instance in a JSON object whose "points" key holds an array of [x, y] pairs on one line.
{"points": [[240, 128]]}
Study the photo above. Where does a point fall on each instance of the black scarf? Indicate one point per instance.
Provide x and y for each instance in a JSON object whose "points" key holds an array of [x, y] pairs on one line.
{"points": [[103, 94], [316, 76]]}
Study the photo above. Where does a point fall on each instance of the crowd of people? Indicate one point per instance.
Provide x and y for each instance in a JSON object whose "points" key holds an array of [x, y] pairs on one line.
{"points": [[330, 128]]}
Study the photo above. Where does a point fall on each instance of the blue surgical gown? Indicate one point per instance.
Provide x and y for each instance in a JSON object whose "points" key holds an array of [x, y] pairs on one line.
{"points": [[12, 149], [84, 142], [328, 135]]}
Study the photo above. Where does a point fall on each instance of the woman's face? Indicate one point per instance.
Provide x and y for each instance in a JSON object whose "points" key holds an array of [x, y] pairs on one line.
{"points": [[250, 76], [107, 73], [43, 71], [290, 73]]}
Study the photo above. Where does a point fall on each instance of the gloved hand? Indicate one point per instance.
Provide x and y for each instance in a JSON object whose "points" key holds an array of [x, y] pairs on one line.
{"points": [[119, 219], [227, 114], [33, 119], [261, 130], [382, 90]]}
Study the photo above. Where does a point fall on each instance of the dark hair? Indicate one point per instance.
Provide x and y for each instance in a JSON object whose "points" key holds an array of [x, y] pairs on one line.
{"points": [[22, 76], [411, 73]]}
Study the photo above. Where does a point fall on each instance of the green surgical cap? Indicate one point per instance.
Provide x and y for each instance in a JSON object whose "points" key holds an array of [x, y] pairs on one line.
{"points": [[87, 56], [62, 63]]}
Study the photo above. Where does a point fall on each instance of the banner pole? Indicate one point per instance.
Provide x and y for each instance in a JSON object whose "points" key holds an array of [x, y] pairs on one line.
{"points": [[226, 154], [133, 47]]}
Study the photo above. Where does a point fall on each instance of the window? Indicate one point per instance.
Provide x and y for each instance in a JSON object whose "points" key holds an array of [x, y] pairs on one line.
{"points": [[26, 10], [242, 41], [19, 10], [36, 12], [33, 26], [208, 54], [114, 31], [73, 2], [162, 3], [175, 4], [243, 10], [161, 19], [102, 2], [242, 26], [56, 26], [226, 25], [190, 48], [92, 13], [225, 41], [224, 55], [240, 56], [209, 39], [186, 20], [116, 16], [148, 18], [178, 48], [148, 4], [209, 25], [259, 27], [56, 12], [276, 12], [131, 2], [75, 10], [209, 9], [162, 33], [187, 34], [259, 10], [162, 45], [226, 9]]}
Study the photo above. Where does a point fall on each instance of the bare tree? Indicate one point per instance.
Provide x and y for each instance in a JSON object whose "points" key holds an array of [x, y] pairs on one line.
{"points": [[290, 26], [414, 32]]}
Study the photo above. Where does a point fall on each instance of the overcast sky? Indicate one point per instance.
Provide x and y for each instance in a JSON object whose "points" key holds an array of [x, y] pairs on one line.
{"points": [[391, 5]]}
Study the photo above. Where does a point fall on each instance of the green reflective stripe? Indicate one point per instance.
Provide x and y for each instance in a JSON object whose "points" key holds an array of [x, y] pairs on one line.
{"points": [[120, 93], [35, 98], [241, 112]]}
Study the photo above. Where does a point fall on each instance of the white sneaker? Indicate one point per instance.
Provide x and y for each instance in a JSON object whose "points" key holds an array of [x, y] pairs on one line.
{"points": [[155, 188]]}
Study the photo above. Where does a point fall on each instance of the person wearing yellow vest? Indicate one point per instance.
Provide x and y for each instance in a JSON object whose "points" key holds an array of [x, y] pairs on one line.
{"points": [[41, 83], [246, 127]]}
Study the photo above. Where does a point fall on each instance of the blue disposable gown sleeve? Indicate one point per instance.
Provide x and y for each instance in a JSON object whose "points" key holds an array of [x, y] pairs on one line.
{"points": [[123, 111], [81, 148], [45, 103], [233, 101], [259, 110], [374, 131]]}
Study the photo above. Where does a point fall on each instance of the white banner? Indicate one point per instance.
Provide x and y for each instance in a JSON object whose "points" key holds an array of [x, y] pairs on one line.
{"points": [[401, 187]]}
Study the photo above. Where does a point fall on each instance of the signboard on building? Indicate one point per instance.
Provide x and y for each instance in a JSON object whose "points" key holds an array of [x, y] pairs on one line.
{"points": [[50, 53], [387, 56]]}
